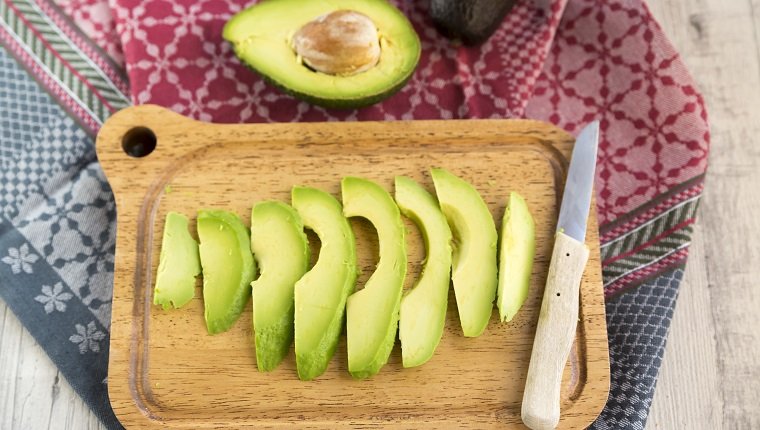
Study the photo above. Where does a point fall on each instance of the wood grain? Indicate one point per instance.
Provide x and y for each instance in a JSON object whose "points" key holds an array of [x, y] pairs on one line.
{"points": [[688, 391], [165, 371], [33, 394], [712, 371]]}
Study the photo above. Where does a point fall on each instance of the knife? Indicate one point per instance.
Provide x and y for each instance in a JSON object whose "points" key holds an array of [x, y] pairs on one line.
{"points": [[559, 309]]}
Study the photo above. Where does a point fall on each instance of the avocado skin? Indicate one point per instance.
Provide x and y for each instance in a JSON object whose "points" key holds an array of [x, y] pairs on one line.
{"points": [[344, 104], [472, 21]]}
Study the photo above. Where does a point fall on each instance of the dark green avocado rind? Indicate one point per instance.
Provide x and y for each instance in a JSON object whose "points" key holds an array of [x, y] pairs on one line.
{"points": [[471, 21], [331, 103]]}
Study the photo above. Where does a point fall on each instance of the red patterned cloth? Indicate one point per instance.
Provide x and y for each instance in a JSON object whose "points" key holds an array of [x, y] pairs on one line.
{"points": [[564, 61], [165, 40], [609, 60]]}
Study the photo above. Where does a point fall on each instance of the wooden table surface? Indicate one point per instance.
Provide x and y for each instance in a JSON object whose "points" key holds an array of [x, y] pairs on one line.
{"points": [[710, 378]]}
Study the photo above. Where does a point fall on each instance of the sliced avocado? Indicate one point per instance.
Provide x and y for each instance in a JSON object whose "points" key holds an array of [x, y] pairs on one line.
{"points": [[474, 255], [228, 267], [334, 53], [423, 309], [518, 246], [373, 312], [178, 264], [320, 295], [281, 250]]}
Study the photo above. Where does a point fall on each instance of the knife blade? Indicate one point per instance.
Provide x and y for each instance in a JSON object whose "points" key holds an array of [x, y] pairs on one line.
{"points": [[559, 308]]}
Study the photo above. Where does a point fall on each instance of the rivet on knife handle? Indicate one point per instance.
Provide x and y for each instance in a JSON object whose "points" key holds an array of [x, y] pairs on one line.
{"points": [[554, 334]]}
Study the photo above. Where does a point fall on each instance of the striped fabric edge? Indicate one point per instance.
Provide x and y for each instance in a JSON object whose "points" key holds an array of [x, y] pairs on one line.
{"points": [[73, 79], [690, 188], [658, 238], [105, 62], [630, 282], [57, 91]]}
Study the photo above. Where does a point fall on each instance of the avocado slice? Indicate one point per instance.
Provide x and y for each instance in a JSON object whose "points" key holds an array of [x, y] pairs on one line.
{"points": [[474, 254], [423, 309], [518, 246], [228, 267], [334, 53], [373, 312], [178, 264], [281, 250], [320, 295]]}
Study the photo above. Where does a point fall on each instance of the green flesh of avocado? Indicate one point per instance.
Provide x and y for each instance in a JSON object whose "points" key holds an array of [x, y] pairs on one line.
{"points": [[228, 267], [178, 264], [474, 256], [320, 295], [373, 312], [518, 246], [262, 37], [281, 250], [423, 309]]}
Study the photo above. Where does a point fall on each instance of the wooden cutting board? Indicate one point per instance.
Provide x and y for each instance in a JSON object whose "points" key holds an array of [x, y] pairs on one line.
{"points": [[166, 371]]}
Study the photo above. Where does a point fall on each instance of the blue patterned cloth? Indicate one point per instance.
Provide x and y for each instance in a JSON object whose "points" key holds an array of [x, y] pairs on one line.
{"points": [[57, 234], [637, 327]]}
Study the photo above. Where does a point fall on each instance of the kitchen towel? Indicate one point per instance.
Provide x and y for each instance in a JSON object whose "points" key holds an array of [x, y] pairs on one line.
{"points": [[62, 73]]}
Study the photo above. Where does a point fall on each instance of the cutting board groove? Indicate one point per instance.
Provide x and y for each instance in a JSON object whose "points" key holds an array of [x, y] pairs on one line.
{"points": [[165, 371]]}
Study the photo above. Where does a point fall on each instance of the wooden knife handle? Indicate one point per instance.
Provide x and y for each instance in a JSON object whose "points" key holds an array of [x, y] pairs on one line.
{"points": [[554, 334]]}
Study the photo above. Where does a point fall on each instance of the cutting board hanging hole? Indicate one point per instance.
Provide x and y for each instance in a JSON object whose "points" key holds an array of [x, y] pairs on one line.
{"points": [[138, 142]]}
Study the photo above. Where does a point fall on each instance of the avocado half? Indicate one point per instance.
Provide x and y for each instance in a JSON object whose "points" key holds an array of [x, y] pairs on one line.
{"points": [[262, 37]]}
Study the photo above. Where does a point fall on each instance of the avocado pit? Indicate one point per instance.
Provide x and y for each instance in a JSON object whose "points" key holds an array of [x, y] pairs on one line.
{"points": [[341, 43]]}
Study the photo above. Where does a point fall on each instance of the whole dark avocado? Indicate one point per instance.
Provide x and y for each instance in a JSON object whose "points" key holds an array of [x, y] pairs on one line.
{"points": [[471, 21]]}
